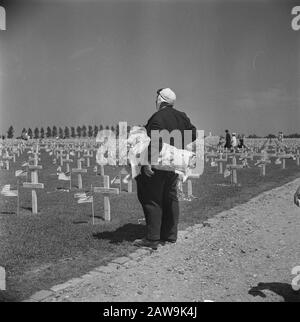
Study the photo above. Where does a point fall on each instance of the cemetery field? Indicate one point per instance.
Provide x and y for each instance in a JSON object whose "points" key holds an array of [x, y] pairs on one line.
{"points": [[60, 242]]}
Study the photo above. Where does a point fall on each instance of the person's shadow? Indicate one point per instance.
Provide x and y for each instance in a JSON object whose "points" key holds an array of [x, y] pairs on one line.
{"points": [[128, 232], [282, 289]]}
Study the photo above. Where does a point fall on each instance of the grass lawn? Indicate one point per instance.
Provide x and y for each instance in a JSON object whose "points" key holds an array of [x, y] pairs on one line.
{"points": [[60, 242]]}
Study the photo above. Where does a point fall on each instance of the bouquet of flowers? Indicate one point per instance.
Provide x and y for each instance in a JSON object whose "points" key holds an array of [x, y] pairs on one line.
{"points": [[133, 153]]}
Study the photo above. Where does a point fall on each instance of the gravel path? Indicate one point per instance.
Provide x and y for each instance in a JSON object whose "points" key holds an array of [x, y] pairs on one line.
{"points": [[243, 254]]}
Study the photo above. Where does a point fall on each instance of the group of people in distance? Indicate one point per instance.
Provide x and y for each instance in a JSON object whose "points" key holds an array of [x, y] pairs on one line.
{"points": [[232, 142]]}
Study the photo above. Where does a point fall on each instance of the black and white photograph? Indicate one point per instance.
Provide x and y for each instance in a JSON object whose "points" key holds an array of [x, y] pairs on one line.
{"points": [[149, 153]]}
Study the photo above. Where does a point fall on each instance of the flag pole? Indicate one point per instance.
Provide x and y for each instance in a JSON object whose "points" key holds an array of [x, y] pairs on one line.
{"points": [[93, 212], [18, 200]]}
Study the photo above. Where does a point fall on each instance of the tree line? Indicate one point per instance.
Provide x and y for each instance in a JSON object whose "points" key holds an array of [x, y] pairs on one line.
{"points": [[90, 132], [62, 132], [273, 136]]}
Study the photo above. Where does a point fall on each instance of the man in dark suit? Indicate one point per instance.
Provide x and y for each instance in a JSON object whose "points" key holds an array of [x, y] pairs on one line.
{"points": [[157, 189], [227, 140]]}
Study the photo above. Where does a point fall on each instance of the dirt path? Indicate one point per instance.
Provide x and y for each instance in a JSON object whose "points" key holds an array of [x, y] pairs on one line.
{"points": [[244, 254]]}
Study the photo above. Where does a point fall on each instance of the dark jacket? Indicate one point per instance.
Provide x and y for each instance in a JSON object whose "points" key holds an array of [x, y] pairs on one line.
{"points": [[241, 143], [168, 118], [228, 141]]}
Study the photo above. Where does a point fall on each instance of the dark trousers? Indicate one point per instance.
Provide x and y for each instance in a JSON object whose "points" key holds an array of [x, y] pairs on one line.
{"points": [[158, 197]]}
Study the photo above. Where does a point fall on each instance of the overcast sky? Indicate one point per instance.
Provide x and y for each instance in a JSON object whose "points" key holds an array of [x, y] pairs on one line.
{"points": [[232, 64]]}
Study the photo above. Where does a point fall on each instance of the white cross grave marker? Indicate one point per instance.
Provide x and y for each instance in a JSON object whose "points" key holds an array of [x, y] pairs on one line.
{"points": [[79, 170], [34, 184], [106, 191]]}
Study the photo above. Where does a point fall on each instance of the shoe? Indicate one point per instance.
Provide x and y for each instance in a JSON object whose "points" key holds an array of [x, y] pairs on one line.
{"points": [[167, 241], [146, 243]]}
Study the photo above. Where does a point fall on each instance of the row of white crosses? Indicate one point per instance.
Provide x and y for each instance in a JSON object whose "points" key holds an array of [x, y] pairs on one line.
{"points": [[105, 190], [231, 169], [33, 185], [6, 159], [6, 189], [10, 156], [285, 156], [64, 155], [87, 155]]}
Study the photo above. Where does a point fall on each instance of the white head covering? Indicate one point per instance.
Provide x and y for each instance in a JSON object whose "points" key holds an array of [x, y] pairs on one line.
{"points": [[166, 95]]}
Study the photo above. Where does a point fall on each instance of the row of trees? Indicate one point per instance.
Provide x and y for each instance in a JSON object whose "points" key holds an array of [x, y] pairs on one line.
{"points": [[92, 131], [63, 133], [273, 136]]}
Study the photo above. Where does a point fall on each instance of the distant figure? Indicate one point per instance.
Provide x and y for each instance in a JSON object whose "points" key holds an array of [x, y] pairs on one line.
{"points": [[233, 141], [227, 140], [25, 136], [280, 143], [221, 143], [241, 143]]}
